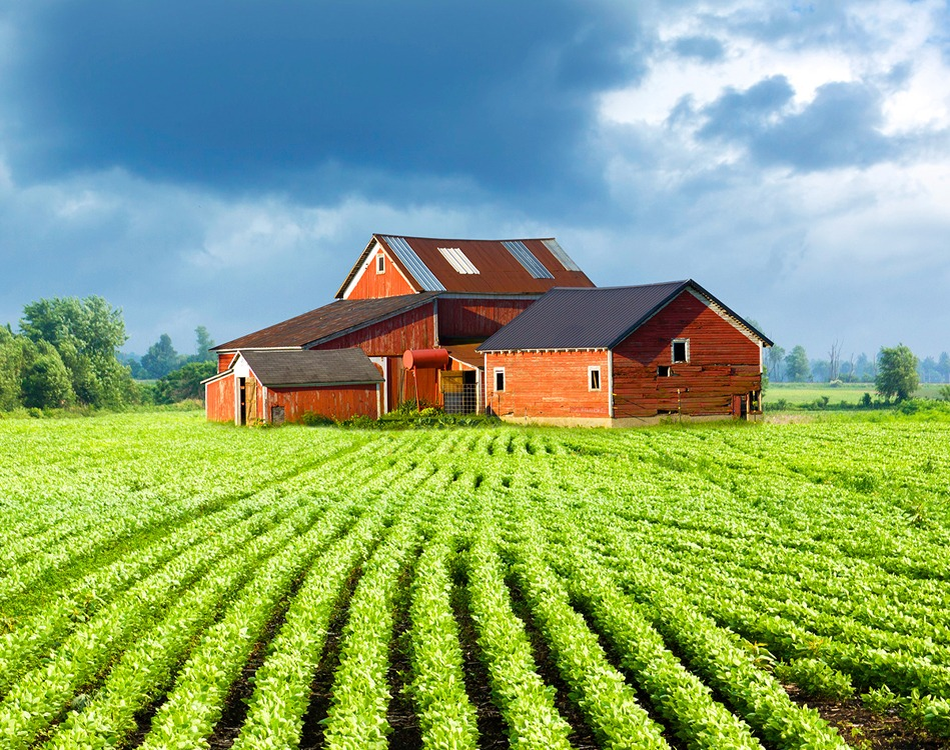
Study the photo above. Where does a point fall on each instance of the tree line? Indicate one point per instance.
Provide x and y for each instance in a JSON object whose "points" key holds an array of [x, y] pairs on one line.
{"points": [[66, 353], [895, 372]]}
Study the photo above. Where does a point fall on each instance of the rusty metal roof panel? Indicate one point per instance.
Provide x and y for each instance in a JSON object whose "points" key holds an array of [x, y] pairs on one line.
{"points": [[309, 367], [499, 272], [527, 259], [330, 320], [413, 263]]}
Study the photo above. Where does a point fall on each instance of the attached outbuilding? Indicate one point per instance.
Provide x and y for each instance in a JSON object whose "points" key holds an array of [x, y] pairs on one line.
{"points": [[625, 355], [281, 385]]}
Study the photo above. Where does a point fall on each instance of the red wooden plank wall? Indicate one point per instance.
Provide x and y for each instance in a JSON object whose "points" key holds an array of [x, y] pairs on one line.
{"points": [[372, 285], [219, 404], [477, 318], [337, 402], [722, 362], [414, 329], [548, 384]]}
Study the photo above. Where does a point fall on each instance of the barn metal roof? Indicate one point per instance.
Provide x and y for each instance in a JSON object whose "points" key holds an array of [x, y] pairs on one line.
{"points": [[303, 367], [518, 266], [595, 318], [331, 320]]}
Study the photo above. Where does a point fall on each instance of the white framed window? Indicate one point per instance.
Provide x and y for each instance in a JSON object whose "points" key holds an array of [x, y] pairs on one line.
{"points": [[680, 350], [593, 378], [499, 379], [381, 263]]}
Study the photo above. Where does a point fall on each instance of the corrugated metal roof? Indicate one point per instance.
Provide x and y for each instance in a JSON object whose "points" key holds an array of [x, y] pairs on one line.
{"points": [[499, 272], [337, 317], [594, 318], [413, 263], [524, 256], [312, 367], [558, 252]]}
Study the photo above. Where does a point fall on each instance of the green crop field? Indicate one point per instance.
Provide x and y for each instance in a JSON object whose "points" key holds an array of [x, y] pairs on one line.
{"points": [[166, 583], [797, 394]]}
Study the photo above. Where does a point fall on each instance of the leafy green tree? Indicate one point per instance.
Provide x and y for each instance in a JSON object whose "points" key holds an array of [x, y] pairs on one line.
{"points": [[943, 364], [86, 333], [184, 383], [46, 383], [161, 358], [897, 372], [797, 367], [203, 344], [11, 369]]}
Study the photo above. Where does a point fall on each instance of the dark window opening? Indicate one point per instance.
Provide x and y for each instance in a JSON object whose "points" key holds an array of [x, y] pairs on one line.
{"points": [[680, 350], [594, 378], [499, 380], [664, 371]]}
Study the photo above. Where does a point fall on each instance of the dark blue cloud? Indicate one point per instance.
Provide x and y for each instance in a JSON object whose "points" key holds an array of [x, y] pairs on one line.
{"points": [[705, 48], [249, 94], [839, 127]]}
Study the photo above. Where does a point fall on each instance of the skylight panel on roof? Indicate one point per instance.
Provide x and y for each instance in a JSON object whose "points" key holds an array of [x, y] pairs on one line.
{"points": [[558, 252], [526, 258], [457, 260]]}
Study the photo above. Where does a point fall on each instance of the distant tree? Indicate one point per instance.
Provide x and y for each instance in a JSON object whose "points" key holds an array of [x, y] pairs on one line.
{"points": [[161, 358], [797, 368], [943, 364], [46, 383], [834, 361], [776, 363], [184, 383], [820, 370], [928, 370], [865, 369], [87, 334], [203, 344], [897, 373]]}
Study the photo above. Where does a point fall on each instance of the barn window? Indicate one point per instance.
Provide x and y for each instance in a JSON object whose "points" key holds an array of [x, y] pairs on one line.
{"points": [[664, 371], [593, 378], [499, 378], [380, 263], [680, 350]]}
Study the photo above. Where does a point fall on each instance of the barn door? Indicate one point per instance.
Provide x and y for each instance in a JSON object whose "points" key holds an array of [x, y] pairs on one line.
{"points": [[251, 399]]}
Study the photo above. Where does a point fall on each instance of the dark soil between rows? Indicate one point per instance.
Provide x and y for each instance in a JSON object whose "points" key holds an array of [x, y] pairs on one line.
{"points": [[866, 729]]}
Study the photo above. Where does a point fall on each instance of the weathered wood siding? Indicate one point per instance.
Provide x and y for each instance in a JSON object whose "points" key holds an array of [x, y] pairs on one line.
{"points": [[548, 384], [225, 359], [219, 400], [372, 285], [414, 329], [337, 402], [477, 318], [723, 363]]}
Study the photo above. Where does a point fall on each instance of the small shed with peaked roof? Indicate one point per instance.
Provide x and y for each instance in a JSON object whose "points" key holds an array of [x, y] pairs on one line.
{"points": [[625, 355], [281, 385]]}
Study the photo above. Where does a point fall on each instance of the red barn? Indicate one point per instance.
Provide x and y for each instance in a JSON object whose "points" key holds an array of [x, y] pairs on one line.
{"points": [[411, 293], [625, 355]]}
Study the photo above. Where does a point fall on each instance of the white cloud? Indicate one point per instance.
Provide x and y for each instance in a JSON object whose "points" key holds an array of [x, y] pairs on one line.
{"points": [[899, 34]]}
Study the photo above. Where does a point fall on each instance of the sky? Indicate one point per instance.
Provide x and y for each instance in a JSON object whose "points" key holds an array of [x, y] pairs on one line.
{"points": [[224, 163]]}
